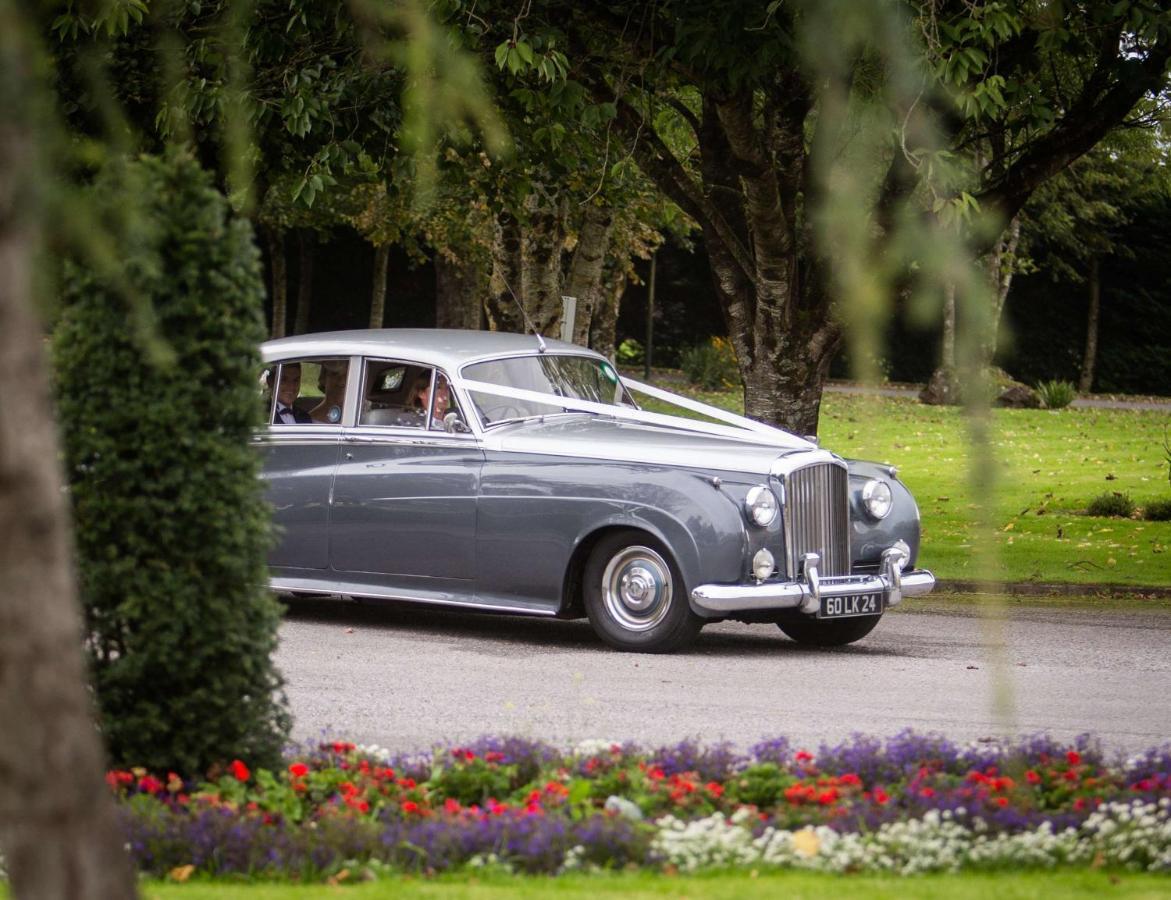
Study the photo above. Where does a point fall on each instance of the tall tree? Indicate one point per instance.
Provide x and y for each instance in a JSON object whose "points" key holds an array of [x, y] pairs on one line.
{"points": [[1076, 220], [775, 97], [58, 834]]}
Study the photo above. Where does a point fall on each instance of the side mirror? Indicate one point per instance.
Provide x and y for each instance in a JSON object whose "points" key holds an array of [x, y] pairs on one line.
{"points": [[453, 424]]}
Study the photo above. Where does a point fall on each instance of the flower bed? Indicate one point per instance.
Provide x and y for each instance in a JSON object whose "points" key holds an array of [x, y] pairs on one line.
{"points": [[910, 804]]}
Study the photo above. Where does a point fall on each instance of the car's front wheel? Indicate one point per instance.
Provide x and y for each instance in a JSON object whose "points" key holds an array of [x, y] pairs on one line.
{"points": [[635, 597], [832, 633]]}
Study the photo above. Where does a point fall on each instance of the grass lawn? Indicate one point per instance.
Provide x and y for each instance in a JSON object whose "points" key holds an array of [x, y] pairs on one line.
{"points": [[1049, 463], [732, 886]]}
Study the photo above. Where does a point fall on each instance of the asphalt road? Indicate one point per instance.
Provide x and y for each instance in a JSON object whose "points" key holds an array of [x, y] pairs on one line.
{"points": [[407, 677]]}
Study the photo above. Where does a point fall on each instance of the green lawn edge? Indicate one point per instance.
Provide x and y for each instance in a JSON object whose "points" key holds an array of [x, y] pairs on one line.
{"points": [[1005, 885]]}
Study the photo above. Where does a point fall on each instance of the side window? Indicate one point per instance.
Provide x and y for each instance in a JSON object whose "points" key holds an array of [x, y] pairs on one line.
{"points": [[310, 392], [401, 395]]}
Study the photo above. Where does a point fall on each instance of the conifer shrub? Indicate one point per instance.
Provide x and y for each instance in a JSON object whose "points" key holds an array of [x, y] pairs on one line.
{"points": [[172, 528], [1158, 511]]}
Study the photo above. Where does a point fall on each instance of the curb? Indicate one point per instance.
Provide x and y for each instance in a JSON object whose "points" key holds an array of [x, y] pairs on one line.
{"points": [[1041, 589]]}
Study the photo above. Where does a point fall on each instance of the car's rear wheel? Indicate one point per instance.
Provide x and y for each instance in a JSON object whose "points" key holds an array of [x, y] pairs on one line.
{"points": [[635, 597], [832, 633]]}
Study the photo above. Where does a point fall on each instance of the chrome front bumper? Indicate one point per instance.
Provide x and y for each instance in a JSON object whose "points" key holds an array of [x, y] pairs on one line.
{"points": [[805, 595]]}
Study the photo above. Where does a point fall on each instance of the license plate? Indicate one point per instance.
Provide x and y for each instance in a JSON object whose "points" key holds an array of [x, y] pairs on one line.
{"points": [[847, 605]]}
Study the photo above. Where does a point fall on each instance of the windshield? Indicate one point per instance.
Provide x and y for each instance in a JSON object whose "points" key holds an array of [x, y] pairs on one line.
{"points": [[579, 377]]}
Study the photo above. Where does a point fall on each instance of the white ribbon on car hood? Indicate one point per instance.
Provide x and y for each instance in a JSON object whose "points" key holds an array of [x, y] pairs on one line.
{"points": [[737, 428]]}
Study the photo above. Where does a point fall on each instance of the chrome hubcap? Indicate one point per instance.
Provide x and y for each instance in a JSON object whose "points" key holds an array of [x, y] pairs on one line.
{"points": [[636, 588]]}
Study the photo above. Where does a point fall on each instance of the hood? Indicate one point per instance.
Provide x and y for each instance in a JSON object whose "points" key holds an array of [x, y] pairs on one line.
{"points": [[595, 437]]}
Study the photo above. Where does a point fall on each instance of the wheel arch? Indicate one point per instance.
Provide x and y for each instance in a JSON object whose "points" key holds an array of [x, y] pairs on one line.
{"points": [[572, 601]]}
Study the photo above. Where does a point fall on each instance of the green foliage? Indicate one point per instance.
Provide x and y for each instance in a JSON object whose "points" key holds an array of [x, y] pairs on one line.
{"points": [[1112, 504], [474, 780], [711, 366], [172, 526], [762, 785], [1056, 394], [630, 353], [1158, 511]]}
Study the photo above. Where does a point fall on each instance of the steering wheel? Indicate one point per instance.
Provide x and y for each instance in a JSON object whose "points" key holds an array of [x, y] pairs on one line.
{"points": [[505, 411]]}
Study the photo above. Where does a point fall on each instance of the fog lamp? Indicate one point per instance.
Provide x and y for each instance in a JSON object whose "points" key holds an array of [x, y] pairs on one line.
{"points": [[763, 565]]}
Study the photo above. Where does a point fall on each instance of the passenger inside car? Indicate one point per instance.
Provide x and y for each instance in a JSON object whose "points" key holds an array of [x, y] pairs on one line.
{"points": [[285, 411], [332, 384]]}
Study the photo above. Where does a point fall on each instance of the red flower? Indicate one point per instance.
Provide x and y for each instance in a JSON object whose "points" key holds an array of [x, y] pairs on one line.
{"points": [[149, 784], [1073, 758], [1032, 777], [239, 770], [409, 807], [1070, 775], [451, 805], [715, 789], [342, 747], [363, 806], [656, 773], [1079, 803], [827, 797], [1002, 802], [850, 779], [803, 756], [927, 792], [881, 797], [494, 756], [298, 770]]}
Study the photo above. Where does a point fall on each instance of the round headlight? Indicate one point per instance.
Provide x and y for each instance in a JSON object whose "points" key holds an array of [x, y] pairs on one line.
{"points": [[763, 565], [761, 505], [877, 498]]}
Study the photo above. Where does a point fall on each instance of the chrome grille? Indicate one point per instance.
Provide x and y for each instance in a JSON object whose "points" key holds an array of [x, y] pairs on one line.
{"points": [[817, 517]]}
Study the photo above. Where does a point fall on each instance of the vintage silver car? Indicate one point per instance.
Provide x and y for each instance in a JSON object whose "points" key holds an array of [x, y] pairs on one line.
{"points": [[503, 472]]}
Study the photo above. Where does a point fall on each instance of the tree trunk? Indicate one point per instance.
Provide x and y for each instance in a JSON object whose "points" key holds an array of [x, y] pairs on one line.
{"points": [[378, 285], [458, 293], [604, 322], [58, 833], [947, 356], [540, 275], [280, 281], [1086, 382], [501, 308], [526, 271], [1001, 266], [585, 272], [307, 245], [785, 388]]}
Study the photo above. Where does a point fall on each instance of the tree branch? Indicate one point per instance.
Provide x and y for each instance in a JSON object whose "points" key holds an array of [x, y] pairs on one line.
{"points": [[1097, 110]]}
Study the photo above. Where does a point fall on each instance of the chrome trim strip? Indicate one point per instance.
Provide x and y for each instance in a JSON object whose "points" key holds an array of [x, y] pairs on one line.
{"points": [[343, 589], [713, 600], [394, 436]]}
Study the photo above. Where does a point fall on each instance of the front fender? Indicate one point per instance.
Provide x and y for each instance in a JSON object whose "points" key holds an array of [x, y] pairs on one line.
{"points": [[869, 538]]}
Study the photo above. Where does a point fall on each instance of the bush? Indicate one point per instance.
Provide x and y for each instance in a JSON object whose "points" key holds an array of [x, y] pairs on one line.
{"points": [[629, 353], [1158, 511], [711, 366], [1056, 394], [1112, 504], [172, 528]]}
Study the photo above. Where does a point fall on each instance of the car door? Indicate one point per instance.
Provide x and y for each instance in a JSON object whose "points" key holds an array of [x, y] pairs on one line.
{"points": [[300, 450], [403, 513]]}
